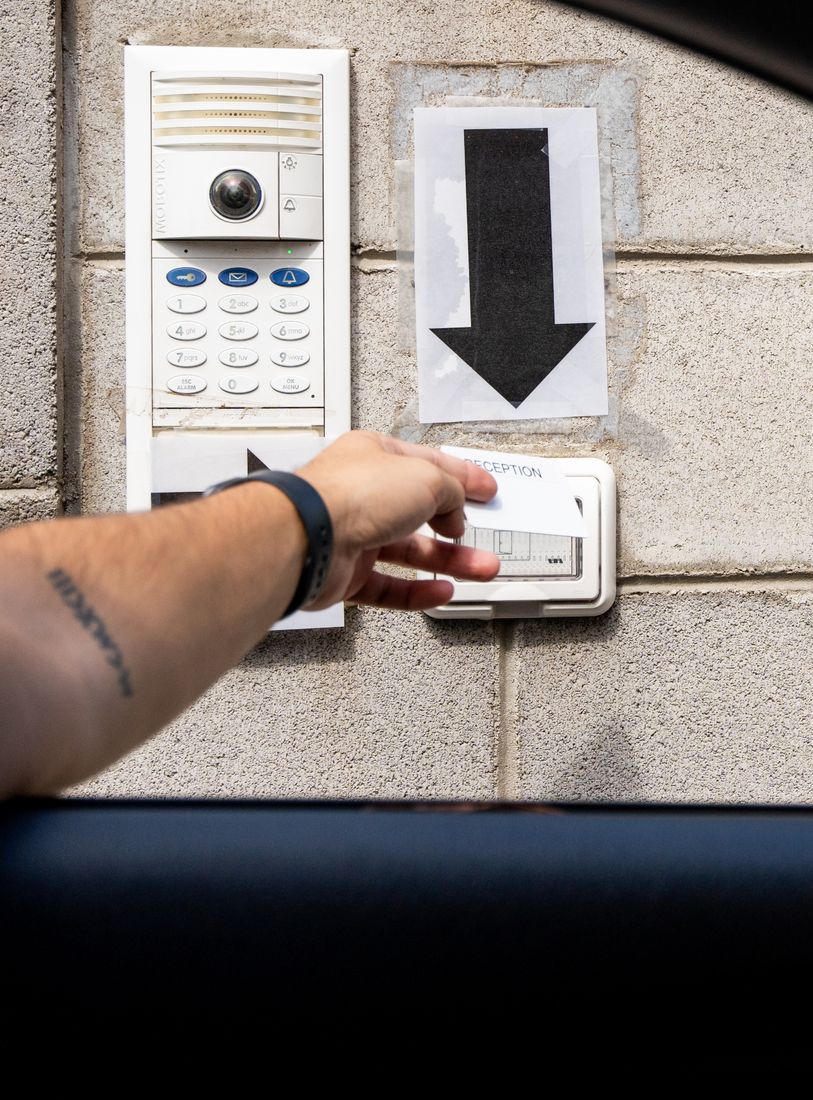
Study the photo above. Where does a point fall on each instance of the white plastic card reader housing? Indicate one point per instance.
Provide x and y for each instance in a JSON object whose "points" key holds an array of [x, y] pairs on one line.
{"points": [[547, 576]]}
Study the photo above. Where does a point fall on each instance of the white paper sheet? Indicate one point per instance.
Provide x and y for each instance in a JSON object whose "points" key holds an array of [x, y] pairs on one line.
{"points": [[533, 495], [449, 389]]}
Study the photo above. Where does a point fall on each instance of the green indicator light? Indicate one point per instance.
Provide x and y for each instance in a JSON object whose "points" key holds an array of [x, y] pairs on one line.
{"points": [[290, 252]]}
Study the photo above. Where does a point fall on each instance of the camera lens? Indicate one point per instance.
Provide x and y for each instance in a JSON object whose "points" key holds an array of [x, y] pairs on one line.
{"points": [[235, 195]]}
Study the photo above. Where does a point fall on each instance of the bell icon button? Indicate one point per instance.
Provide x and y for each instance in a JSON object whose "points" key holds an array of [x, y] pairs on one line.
{"points": [[300, 217]]}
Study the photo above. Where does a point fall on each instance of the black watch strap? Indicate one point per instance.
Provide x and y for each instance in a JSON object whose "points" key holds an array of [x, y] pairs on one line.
{"points": [[316, 521]]}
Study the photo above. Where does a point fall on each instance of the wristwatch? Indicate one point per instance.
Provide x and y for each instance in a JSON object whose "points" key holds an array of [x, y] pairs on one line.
{"points": [[316, 521]]}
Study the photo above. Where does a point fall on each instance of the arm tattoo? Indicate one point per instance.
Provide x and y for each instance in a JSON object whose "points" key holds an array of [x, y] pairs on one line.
{"points": [[73, 598]]}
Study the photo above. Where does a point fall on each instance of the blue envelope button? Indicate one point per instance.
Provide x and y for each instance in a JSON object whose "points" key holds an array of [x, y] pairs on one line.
{"points": [[237, 276]]}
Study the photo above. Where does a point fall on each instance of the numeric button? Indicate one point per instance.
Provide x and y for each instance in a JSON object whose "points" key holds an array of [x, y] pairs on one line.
{"points": [[238, 357], [238, 383], [238, 330], [186, 330], [290, 330], [289, 357], [186, 303], [238, 303], [290, 303], [187, 357]]}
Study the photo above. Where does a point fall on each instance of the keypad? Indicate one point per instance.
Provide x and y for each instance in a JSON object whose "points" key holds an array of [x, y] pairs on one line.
{"points": [[216, 348]]}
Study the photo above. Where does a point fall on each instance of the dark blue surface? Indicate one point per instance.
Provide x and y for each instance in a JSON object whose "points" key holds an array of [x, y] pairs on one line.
{"points": [[186, 276], [289, 276], [226, 895], [238, 276]]}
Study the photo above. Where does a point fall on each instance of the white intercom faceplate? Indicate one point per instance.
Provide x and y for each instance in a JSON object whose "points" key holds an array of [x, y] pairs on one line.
{"points": [[547, 576], [238, 254]]}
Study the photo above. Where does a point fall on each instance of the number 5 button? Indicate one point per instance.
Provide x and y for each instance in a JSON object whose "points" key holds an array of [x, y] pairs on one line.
{"points": [[290, 330], [238, 330]]}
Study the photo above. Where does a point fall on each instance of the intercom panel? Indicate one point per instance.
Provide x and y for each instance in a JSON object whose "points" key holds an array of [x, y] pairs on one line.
{"points": [[238, 251], [238, 262]]}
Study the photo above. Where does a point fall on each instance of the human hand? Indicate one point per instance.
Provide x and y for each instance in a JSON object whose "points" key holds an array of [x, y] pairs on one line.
{"points": [[379, 491]]}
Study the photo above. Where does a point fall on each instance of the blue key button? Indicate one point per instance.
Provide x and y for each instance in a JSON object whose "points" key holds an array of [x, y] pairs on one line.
{"points": [[237, 276], [186, 276], [289, 276]]}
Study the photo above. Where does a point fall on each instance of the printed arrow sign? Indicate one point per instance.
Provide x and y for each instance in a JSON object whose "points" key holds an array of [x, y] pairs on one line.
{"points": [[253, 464], [514, 341]]}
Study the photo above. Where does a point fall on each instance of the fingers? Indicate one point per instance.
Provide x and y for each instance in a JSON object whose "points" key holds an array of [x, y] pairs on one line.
{"points": [[449, 524], [477, 483], [433, 556], [402, 595]]}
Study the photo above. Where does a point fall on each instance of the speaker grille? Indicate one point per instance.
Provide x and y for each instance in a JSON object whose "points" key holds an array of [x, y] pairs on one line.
{"points": [[278, 110]]}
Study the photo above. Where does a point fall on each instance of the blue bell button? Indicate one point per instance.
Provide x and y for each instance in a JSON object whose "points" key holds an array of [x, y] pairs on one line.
{"points": [[289, 276]]}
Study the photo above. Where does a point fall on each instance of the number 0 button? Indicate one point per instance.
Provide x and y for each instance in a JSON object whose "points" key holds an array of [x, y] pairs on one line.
{"points": [[290, 330], [238, 383]]}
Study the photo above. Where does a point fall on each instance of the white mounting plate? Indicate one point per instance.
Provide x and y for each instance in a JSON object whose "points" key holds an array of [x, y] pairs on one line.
{"points": [[144, 423], [588, 590]]}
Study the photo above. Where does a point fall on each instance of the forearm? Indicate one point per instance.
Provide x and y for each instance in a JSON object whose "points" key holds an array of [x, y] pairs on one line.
{"points": [[113, 625]]}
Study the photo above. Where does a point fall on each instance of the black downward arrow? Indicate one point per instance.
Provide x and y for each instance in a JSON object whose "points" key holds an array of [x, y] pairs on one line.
{"points": [[514, 341]]}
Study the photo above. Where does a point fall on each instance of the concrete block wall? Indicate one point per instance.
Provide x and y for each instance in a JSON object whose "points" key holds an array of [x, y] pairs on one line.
{"points": [[30, 173], [697, 685]]}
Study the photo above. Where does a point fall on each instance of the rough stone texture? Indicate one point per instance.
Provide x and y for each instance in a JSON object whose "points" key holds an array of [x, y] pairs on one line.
{"points": [[97, 372], [395, 706], [702, 187], [25, 505], [713, 444], [689, 697], [28, 244]]}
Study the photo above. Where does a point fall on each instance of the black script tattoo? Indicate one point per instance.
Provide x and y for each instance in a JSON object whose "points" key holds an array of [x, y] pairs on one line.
{"points": [[73, 598]]}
